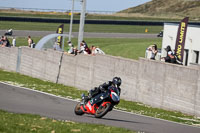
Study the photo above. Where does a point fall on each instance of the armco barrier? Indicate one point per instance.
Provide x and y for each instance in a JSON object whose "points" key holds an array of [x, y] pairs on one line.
{"points": [[155, 83]]}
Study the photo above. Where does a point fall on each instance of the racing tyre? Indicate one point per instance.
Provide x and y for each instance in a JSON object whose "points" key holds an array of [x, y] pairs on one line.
{"points": [[102, 110], [78, 110]]}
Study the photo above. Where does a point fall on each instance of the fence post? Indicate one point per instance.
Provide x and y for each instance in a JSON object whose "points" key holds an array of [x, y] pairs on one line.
{"points": [[59, 67], [18, 59]]}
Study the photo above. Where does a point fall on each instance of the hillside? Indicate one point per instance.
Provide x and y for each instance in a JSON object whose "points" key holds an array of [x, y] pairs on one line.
{"points": [[168, 8]]}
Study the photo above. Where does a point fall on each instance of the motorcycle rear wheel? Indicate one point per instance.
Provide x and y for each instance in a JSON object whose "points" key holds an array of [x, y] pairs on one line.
{"points": [[102, 110], [78, 110]]}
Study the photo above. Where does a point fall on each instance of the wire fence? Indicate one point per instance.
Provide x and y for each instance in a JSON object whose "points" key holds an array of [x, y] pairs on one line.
{"points": [[56, 10]]}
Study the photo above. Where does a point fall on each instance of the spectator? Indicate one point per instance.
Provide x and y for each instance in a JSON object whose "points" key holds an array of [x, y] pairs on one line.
{"points": [[153, 50], [82, 48], [87, 51], [56, 47], [71, 48], [96, 50], [75, 51], [31, 44], [1, 40], [5, 42], [14, 42], [170, 55], [84, 44]]}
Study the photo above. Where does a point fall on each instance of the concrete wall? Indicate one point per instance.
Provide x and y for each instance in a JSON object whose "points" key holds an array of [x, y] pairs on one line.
{"points": [[155, 83], [8, 58]]}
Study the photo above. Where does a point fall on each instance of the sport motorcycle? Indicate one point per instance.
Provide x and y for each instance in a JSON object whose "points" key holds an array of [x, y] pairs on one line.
{"points": [[99, 105]]}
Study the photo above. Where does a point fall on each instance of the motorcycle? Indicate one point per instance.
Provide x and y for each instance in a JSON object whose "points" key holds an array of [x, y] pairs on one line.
{"points": [[100, 105], [9, 32]]}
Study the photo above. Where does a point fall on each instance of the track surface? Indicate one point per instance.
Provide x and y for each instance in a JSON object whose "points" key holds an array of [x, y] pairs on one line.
{"points": [[26, 33], [22, 100]]}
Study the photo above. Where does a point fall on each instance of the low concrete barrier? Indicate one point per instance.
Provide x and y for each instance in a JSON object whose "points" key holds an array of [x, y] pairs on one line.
{"points": [[155, 83]]}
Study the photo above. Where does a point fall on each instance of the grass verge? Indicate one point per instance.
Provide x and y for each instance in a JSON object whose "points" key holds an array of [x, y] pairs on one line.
{"points": [[71, 92], [26, 123], [37, 26]]}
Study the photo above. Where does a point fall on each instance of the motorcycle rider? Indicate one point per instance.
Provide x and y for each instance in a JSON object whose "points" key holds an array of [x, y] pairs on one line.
{"points": [[116, 82]]}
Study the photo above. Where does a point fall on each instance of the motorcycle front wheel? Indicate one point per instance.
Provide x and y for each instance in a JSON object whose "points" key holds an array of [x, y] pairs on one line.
{"points": [[78, 110], [102, 110]]}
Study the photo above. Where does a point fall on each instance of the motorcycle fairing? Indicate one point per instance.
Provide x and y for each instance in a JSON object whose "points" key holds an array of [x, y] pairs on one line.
{"points": [[88, 108], [99, 98]]}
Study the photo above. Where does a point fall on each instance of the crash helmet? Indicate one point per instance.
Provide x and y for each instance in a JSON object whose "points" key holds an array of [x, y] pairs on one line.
{"points": [[117, 81]]}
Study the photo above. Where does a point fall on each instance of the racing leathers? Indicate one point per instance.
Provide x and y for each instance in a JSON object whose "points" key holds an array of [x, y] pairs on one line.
{"points": [[102, 88]]}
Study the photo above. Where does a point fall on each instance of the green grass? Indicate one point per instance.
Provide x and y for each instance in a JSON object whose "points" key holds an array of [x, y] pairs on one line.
{"points": [[25, 123], [36, 26], [57, 15], [74, 93], [124, 47]]}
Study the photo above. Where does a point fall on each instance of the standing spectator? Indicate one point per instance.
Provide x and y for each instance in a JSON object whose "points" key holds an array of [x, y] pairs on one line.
{"points": [[31, 44], [14, 42], [153, 50], [56, 47]]}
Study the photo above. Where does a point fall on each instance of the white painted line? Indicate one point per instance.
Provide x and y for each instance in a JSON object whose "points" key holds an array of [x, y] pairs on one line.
{"points": [[113, 109]]}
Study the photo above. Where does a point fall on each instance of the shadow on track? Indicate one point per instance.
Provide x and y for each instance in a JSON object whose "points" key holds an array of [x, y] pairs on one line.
{"points": [[112, 119]]}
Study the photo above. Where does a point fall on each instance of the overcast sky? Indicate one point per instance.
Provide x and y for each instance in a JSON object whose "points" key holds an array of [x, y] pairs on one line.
{"points": [[92, 5]]}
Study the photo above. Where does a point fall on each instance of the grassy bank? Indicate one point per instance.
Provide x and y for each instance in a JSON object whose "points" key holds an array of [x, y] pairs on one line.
{"points": [[124, 47], [74, 93], [25, 123], [88, 27]]}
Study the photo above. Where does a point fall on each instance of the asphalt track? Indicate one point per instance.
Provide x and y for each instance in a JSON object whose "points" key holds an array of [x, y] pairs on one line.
{"points": [[22, 33], [23, 100]]}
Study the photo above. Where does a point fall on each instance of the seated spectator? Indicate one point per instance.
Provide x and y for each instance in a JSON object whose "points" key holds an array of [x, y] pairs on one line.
{"points": [[84, 44], [82, 48], [170, 55], [71, 48], [87, 50], [5, 42], [96, 50], [75, 51], [1, 40], [153, 49]]}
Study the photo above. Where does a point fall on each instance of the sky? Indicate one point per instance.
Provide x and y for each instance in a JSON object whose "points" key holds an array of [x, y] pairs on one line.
{"points": [[91, 5]]}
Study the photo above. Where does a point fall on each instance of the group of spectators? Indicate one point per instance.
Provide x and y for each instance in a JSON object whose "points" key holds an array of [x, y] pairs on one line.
{"points": [[84, 49], [170, 56], [4, 42]]}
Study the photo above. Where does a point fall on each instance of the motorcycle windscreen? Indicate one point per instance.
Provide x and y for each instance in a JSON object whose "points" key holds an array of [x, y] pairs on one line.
{"points": [[115, 97], [99, 98]]}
